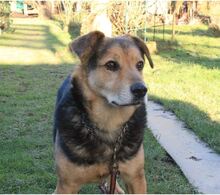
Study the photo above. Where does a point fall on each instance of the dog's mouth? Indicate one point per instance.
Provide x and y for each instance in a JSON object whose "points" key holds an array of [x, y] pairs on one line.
{"points": [[130, 104]]}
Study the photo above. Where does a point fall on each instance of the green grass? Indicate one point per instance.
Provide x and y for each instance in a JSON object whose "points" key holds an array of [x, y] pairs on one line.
{"points": [[33, 62], [186, 79]]}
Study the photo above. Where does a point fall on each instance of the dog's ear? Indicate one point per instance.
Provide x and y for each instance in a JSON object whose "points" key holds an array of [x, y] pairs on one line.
{"points": [[144, 49], [86, 45]]}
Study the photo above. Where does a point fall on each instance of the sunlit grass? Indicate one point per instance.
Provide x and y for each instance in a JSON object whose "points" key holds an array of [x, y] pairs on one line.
{"points": [[38, 41], [31, 71], [186, 79]]}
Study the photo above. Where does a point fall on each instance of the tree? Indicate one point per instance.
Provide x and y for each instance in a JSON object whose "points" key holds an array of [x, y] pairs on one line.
{"points": [[175, 6], [66, 7], [4, 16]]}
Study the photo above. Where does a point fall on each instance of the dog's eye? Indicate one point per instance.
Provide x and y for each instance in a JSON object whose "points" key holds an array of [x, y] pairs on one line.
{"points": [[112, 66], [140, 65]]}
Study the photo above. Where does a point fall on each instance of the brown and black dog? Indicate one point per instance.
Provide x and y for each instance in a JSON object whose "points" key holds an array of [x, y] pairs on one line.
{"points": [[105, 92]]}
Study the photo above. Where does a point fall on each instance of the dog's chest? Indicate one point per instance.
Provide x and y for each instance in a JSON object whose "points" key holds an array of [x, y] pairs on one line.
{"points": [[83, 145], [90, 145]]}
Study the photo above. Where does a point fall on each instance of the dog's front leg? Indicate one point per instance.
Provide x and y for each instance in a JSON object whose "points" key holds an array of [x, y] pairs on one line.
{"points": [[65, 188], [132, 172], [136, 184]]}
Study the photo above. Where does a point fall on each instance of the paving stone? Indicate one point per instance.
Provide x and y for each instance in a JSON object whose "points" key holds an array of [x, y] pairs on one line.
{"points": [[199, 163]]}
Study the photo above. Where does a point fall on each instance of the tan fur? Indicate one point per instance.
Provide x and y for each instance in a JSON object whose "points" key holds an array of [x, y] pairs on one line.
{"points": [[72, 176], [99, 111], [81, 44], [128, 59], [144, 48], [132, 173]]}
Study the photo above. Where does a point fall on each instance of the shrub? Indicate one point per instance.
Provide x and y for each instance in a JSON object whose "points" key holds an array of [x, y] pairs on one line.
{"points": [[214, 29], [4, 15]]}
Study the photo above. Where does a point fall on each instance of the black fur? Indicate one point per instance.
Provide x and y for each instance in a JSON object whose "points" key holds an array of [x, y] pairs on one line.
{"points": [[86, 147], [101, 49]]}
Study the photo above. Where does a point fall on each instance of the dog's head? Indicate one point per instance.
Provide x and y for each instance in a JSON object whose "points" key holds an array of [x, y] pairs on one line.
{"points": [[114, 66]]}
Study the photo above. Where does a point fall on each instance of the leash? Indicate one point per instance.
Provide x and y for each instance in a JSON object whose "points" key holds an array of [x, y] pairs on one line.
{"points": [[114, 172], [113, 167]]}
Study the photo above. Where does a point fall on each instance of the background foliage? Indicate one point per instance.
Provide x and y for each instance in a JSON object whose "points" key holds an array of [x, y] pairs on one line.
{"points": [[5, 15]]}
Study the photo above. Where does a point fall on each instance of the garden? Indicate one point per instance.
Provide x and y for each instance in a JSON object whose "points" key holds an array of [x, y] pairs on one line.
{"points": [[35, 59]]}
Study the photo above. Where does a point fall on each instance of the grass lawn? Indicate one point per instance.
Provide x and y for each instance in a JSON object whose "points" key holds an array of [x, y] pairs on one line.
{"points": [[186, 79], [33, 62]]}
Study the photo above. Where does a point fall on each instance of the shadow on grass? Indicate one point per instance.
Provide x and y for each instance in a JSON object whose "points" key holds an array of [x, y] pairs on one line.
{"points": [[175, 52], [179, 31], [27, 99], [48, 40], [195, 119], [74, 29]]}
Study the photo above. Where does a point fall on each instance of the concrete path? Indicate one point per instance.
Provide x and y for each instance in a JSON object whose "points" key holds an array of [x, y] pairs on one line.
{"points": [[200, 164]]}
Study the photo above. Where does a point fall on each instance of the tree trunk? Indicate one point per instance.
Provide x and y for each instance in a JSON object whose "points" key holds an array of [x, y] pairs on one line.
{"points": [[174, 24]]}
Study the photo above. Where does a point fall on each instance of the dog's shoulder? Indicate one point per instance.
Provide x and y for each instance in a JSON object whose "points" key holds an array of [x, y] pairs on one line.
{"points": [[64, 89], [66, 93], [135, 134], [73, 135], [67, 105]]}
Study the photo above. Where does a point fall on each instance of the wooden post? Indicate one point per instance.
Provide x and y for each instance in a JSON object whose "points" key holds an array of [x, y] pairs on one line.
{"points": [[174, 24], [52, 6]]}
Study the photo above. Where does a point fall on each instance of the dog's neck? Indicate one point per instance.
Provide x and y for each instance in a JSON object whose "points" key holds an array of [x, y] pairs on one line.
{"points": [[108, 117], [102, 114]]}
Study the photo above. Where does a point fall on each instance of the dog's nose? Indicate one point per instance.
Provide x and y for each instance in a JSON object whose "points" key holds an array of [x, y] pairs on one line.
{"points": [[139, 90]]}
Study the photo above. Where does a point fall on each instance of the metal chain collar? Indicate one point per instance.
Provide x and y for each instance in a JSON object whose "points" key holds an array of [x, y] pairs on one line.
{"points": [[113, 166], [118, 143], [114, 172]]}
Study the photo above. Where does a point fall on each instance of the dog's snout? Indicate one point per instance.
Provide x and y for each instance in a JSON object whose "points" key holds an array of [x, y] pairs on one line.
{"points": [[139, 90]]}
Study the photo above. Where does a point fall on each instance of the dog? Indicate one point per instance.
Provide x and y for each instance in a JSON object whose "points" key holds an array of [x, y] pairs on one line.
{"points": [[104, 93]]}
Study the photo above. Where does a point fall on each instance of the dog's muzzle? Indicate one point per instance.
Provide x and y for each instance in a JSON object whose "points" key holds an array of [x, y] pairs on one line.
{"points": [[139, 90]]}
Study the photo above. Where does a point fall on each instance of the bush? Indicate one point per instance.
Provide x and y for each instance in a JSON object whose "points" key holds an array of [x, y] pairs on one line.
{"points": [[127, 18], [214, 29], [4, 16]]}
